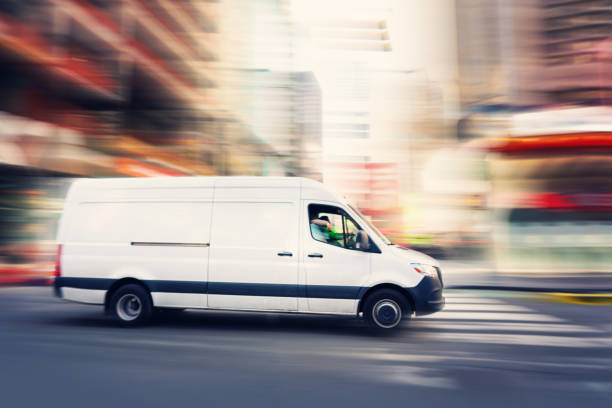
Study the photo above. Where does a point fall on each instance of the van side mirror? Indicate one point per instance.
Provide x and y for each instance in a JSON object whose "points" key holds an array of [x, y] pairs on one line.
{"points": [[363, 241]]}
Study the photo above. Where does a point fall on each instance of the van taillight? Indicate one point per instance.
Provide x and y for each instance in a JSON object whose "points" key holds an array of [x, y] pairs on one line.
{"points": [[58, 262]]}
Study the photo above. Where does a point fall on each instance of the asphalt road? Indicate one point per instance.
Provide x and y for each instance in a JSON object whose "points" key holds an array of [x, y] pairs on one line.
{"points": [[483, 350]]}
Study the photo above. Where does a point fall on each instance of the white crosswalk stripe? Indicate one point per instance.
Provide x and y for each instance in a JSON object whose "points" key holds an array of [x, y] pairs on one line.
{"points": [[485, 326], [470, 318], [474, 307], [494, 316], [473, 300]]}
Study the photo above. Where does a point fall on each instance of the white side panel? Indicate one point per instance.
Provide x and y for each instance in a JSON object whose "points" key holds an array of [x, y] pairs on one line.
{"points": [[98, 242], [125, 222], [187, 300], [234, 302], [115, 261], [84, 295], [269, 303], [332, 306]]}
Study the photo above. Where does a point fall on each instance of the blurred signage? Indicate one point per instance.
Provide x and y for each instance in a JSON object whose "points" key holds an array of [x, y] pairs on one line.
{"points": [[550, 200], [552, 121]]}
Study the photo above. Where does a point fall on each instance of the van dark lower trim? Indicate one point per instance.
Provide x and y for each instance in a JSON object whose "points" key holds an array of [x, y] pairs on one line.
{"points": [[224, 288], [427, 294]]}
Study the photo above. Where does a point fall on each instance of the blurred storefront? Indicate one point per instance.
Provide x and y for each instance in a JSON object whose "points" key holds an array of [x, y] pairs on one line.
{"points": [[551, 196], [544, 182]]}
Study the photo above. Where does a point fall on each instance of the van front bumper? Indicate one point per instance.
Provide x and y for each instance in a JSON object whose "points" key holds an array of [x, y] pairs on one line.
{"points": [[427, 295]]}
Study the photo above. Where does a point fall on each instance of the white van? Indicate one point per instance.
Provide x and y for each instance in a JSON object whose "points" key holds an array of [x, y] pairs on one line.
{"points": [[234, 243]]}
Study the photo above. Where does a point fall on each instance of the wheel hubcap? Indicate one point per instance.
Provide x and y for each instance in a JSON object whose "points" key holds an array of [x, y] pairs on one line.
{"points": [[129, 307], [387, 313]]}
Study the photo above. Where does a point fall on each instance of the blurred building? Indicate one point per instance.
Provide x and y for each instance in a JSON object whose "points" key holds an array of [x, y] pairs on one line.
{"points": [[116, 87], [100, 88], [307, 111], [380, 119], [360, 152], [143, 88], [529, 53], [280, 106]]}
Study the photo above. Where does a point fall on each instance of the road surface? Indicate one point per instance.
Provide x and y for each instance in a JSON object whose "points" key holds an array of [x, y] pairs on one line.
{"points": [[482, 350]]}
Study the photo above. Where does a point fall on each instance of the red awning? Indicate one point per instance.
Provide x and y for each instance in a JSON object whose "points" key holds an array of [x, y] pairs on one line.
{"points": [[569, 141]]}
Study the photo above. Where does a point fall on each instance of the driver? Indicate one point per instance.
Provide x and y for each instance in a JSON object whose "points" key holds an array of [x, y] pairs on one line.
{"points": [[323, 230]]}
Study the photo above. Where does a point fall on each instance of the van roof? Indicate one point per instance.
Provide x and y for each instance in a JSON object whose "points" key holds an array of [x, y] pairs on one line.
{"points": [[195, 181], [311, 189]]}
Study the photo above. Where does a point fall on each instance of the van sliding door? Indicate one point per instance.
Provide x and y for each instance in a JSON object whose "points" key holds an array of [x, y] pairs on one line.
{"points": [[253, 260]]}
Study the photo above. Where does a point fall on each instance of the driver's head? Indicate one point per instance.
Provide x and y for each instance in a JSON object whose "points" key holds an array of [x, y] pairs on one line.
{"points": [[324, 218]]}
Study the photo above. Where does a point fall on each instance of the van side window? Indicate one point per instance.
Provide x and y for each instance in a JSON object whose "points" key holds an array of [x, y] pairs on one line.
{"points": [[333, 226]]}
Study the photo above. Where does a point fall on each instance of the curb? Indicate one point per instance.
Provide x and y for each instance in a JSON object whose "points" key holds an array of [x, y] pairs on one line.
{"points": [[592, 299]]}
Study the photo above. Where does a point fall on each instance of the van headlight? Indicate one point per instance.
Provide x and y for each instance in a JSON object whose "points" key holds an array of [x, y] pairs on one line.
{"points": [[423, 269]]}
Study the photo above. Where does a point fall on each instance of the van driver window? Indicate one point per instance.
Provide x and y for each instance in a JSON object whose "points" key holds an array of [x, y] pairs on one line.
{"points": [[333, 226]]}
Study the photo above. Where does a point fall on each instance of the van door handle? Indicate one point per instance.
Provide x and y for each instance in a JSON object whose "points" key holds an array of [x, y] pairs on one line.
{"points": [[315, 255], [284, 254]]}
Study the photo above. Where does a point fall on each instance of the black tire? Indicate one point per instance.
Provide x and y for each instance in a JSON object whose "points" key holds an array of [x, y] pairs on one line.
{"points": [[131, 305], [384, 310]]}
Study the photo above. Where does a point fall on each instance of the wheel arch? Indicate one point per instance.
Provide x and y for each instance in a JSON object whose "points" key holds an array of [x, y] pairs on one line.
{"points": [[379, 286], [122, 282]]}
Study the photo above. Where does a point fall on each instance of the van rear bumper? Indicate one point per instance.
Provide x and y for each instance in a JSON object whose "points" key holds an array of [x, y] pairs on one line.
{"points": [[57, 288], [427, 295]]}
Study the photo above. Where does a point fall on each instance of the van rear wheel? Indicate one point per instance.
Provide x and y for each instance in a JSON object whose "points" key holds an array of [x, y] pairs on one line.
{"points": [[131, 305], [385, 309]]}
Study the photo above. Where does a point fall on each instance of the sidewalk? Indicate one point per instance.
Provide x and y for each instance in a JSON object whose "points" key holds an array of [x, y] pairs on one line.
{"points": [[585, 288]]}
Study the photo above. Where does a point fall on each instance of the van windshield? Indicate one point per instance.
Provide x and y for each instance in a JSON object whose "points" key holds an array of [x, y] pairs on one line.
{"points": [[372, 227]]}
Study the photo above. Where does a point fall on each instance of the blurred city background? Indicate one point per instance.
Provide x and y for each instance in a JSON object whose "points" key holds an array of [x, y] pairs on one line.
{"points": [[477, 131]]}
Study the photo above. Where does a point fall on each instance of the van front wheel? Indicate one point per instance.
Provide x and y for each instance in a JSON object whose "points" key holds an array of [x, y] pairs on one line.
{"points": [[384, 310], [131, 305]]}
